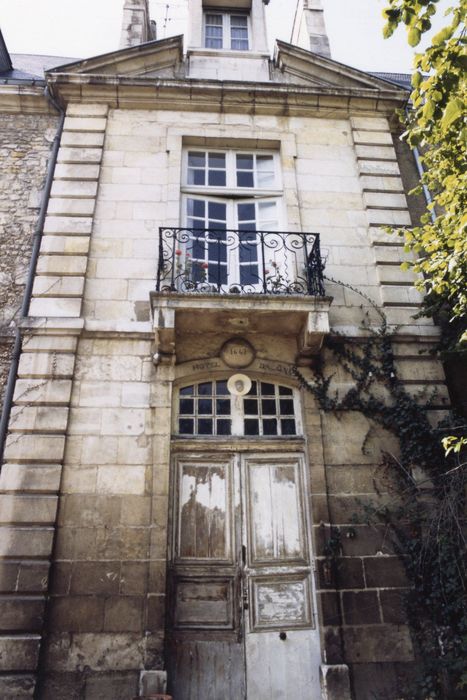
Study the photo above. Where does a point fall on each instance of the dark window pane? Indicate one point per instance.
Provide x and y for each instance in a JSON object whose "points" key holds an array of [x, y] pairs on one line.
{"points": [[224, 427], [198, 248], [205, 406], [239, 44], [267, 389], [186, 391], [217, 251], [288, 427], [185, 426], [216, 178], [251, 427], [217, 211], [212, 18], [196, 177], [249, 274], [251, 406], [205, 389], [196, 160], [246, 212], [186, 406], [198, 207], [245, 162], [213, 43], [268, 407], [221, 389], [193, 223], [254, 389], [286, 407], [205, 426], [217, 274], [216, 160], [245, 179], [238, 21], [270, 426], [223, 407], [285, 391]]}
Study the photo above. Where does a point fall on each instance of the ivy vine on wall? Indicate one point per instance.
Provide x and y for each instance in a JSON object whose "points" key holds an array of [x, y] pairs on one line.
{"points": [[426, 517]]}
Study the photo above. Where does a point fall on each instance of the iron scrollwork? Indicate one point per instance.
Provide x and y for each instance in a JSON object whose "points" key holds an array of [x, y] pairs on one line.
{"points": [[227, 261]]}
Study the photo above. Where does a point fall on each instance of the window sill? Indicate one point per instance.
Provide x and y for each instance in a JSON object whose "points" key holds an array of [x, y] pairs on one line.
{"points": [[236, 193], [227, 53]]}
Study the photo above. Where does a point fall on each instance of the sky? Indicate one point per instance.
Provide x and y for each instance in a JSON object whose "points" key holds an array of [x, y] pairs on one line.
{"points": [[84, 28]]}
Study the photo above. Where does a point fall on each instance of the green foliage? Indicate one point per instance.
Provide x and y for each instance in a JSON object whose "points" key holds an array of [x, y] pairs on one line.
{"points": [[427, 516], [436, 124]]}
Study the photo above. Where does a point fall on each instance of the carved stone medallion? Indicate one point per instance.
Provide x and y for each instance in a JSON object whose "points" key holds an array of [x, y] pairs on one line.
{"points": [[237, 353]]}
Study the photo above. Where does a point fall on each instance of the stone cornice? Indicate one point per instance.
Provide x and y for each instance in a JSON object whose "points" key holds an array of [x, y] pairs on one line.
{"points": [[230, 96], [16, 98]]}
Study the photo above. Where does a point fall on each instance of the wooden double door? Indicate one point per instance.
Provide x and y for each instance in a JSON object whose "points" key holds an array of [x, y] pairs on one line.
{"points": [[241, 611]]}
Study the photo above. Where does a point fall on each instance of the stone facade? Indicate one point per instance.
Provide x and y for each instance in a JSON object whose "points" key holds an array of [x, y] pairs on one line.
{"points": [[86, 483]]}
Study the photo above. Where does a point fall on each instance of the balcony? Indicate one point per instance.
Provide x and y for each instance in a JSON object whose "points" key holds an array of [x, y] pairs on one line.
{"points": [[223, 281], [239, 262]]}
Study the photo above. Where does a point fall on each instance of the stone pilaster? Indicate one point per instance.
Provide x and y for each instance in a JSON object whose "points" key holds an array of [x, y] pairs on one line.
{"points": [[31, 474], [386, 205]]}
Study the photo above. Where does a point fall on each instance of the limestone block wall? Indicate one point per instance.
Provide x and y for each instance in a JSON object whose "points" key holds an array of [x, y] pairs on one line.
{"points": [[326, 189], [25, 143]]}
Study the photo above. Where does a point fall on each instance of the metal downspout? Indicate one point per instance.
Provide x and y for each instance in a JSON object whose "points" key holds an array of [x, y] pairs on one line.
{"points": [[426, 191], [421, 171], [36, 244]]}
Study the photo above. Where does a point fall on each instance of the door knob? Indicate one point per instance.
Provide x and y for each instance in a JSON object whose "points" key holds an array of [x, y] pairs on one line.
{"points": [[283, 636]]}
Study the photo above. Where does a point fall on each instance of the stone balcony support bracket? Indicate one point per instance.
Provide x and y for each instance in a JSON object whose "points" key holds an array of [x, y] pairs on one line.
{"points": [[304, 317]]}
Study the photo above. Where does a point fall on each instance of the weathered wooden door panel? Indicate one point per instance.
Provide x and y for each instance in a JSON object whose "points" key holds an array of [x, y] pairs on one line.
{"points": [[206, 670], [241, 623], [283, 670], [281, 642]]}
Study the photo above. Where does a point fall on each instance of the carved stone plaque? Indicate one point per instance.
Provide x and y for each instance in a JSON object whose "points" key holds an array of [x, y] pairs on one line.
{"points": [[237, 353]]}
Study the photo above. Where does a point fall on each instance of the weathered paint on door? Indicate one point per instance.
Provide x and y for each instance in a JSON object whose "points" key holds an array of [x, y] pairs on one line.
{"points": [[241, 621]]}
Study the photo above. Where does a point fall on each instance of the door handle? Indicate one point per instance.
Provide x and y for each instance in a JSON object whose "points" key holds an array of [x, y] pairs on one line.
{"points": [[245, 599], [243, 554]]}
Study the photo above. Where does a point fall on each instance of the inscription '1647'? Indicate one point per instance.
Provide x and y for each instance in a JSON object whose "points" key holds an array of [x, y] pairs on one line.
{"points": [[237, 353]]}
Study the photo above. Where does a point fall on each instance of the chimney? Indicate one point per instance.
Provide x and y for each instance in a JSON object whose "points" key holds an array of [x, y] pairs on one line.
{"points": [[136, 27], [309, 30]]}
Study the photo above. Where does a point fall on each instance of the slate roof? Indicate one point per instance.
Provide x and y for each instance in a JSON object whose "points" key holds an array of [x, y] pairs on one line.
{"points": [[401, 79], [5, 60], [24, 67]]}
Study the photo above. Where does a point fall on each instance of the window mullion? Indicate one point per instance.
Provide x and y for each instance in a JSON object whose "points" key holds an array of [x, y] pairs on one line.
{"points": [[226, 32], [237, 416]]}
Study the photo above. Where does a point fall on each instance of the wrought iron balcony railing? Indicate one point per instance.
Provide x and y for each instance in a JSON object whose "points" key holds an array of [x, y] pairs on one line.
{"points": [[226, 261]]}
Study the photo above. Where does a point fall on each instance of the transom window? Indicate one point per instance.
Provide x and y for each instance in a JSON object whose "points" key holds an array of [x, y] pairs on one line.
{"points": [[207, 408], [232, 170], [226, 31]]}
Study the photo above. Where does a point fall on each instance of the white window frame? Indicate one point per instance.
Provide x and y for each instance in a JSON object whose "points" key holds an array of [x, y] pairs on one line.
{"points": [[226, 29], [231, 186], [232, 196], [237, 415]]}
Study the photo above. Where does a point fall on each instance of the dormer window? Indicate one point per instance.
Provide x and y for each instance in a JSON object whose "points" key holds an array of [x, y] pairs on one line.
{"points": [[226, 31]]}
